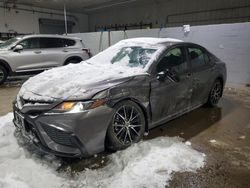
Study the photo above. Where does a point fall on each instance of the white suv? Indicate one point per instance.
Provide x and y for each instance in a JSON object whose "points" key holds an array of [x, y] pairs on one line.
{"points": [[35, 53]]}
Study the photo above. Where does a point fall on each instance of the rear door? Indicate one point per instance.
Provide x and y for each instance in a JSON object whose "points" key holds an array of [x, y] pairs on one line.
{"points": [[169, 97], [53, 51], [201, 74]]}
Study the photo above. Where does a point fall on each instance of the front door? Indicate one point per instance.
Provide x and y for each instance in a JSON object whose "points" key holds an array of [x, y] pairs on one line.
{"points": [[170, 97], [29, 57]]}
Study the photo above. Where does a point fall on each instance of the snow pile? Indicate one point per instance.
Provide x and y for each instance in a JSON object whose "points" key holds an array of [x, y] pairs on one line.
{"points": [[212, 141], [242, 137], [146, 164], [19, 169]]}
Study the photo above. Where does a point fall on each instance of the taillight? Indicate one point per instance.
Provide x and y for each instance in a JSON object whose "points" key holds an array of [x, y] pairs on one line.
{"points": [[87, 51]]}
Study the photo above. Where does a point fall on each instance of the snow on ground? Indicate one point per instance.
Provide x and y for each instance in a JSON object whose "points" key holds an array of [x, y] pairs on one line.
{"points": [[146, 164], [20, 169], [242, 137], [212, 141]]}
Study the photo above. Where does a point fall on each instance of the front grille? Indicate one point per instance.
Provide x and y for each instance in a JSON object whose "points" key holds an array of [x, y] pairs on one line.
{"points": [[33, 108], [30, 102], [24, 102], [58, 136]]}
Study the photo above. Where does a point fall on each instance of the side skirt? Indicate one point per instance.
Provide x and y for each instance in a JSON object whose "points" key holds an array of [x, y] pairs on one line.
{"points": [[174, 116]]}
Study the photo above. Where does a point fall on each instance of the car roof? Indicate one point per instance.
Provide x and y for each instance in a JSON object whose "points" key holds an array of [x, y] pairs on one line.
{"points": [[51, 36], [152, 40]]}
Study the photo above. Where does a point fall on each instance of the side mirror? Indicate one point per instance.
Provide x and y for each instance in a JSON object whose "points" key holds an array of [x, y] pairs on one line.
{"points": [[171, 75], [18, 48], [161, 76]]}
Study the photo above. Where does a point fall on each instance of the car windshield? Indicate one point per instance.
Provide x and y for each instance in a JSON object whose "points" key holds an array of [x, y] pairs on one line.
{"points": [[129, 56], [8, 43], [133, 56]]}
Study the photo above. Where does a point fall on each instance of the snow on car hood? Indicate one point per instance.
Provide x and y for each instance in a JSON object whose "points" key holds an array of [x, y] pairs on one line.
{"points": [[75, 81], [112, 66]]}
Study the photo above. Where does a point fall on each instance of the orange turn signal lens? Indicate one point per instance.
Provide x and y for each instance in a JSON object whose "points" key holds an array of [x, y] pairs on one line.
{"points": [[66, 106], [97, 103]]}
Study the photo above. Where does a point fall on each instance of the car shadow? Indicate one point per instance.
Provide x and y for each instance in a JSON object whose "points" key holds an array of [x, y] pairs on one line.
{"points": [[14, 81], [194, 122], [189, 124]]}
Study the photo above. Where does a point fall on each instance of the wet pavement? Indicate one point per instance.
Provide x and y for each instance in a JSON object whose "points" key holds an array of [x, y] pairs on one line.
{"points": [[221, 133], [8, 92]]}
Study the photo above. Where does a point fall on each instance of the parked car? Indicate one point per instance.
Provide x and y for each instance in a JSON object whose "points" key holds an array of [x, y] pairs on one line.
{"points": [[1, 42], [35, 53], [112, 99]]}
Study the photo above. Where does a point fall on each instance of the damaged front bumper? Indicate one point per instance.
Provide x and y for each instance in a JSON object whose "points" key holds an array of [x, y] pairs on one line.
{"points": [[74, 135]]}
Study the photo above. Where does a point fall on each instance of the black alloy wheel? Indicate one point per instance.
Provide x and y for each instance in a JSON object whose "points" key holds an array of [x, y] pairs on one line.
{"points": [[127, 126]]}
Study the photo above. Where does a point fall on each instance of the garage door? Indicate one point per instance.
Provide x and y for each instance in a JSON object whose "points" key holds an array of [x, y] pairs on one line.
{"points": [[50, 26]]}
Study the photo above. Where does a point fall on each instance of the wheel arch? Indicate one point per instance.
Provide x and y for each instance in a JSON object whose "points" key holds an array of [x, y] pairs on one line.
{"points": [[6, 66], [72, 58]]}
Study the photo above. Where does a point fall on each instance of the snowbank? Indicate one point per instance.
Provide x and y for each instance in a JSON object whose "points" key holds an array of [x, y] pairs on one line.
{"points": [[146, 164], [19, 169]]}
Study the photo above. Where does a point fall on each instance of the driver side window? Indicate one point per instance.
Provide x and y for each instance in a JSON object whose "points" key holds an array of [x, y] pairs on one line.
{"points": [[174, 60], [31, 43]]}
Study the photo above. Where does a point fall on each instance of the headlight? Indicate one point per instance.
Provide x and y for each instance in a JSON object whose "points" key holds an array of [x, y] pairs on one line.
{"points": [[75, 107]]}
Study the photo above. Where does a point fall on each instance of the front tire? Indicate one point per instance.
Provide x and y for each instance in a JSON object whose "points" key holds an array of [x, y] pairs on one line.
{"points": [[127, 126], [3, 74], [215, 93]]}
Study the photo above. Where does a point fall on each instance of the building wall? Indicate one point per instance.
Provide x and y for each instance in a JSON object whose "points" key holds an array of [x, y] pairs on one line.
{"points": [[165, 13], [20, 21], [229, 42]]}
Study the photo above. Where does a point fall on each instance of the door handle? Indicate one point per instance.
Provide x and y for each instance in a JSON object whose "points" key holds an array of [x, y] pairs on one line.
{"points": [[65, 50], [37, 52]]}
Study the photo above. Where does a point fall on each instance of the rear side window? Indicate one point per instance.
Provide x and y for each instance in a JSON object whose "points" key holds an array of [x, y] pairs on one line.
{"points": [[51, 43], [198, 57], [68, 42]]}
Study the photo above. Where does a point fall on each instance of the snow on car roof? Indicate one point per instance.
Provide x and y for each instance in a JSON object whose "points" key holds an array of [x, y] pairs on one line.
{"points": [[151, 40]]}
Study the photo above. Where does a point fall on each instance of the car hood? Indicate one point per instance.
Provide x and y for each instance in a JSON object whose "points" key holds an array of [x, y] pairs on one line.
{"points": [[75, 81]]}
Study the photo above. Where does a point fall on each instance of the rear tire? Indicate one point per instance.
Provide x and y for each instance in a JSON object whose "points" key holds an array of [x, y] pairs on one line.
{"points": [[215, 93], [127, 126], [73, 61], [3, 74]]}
